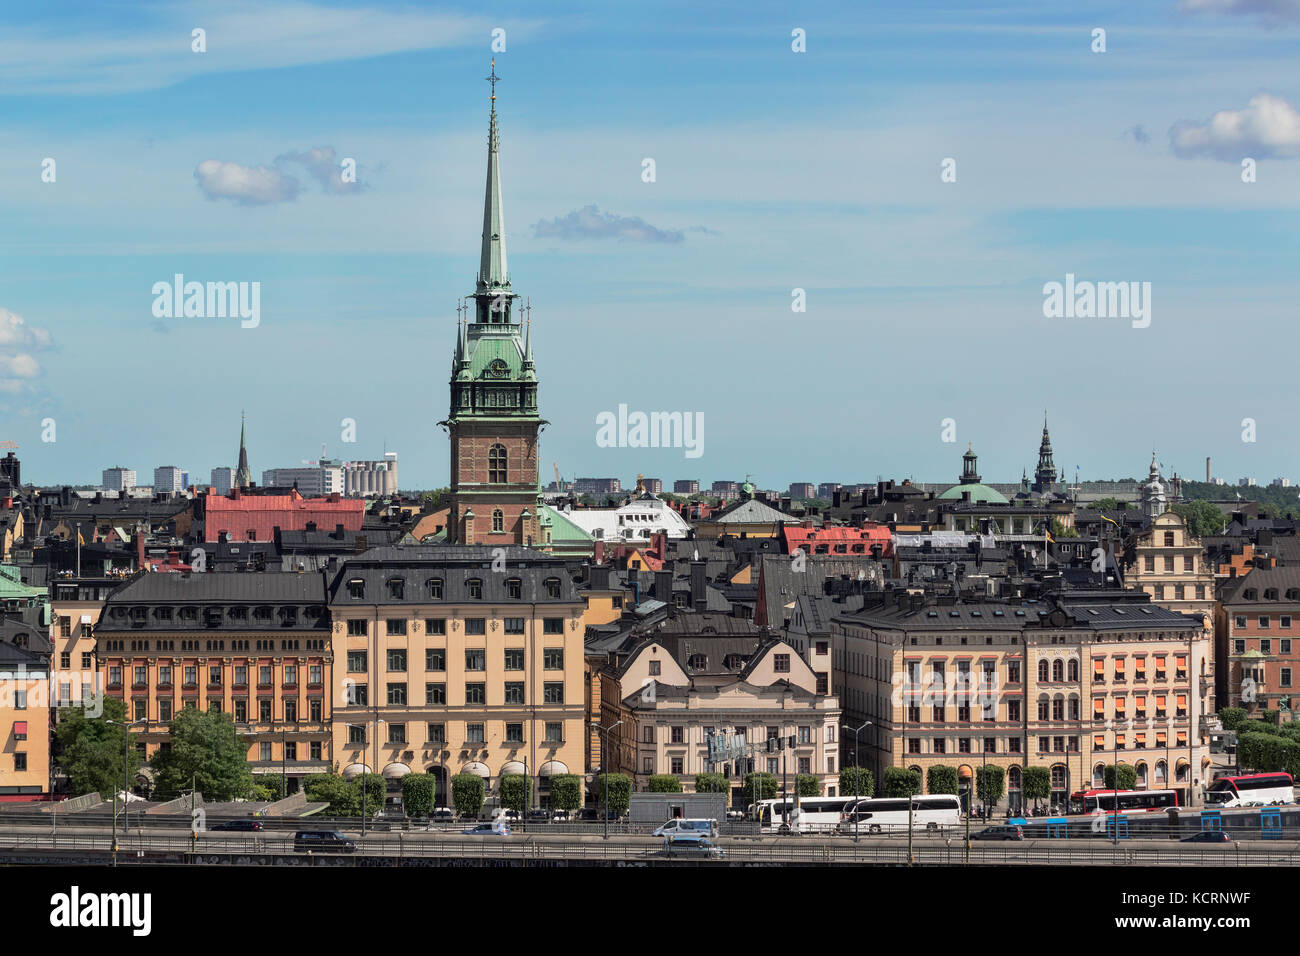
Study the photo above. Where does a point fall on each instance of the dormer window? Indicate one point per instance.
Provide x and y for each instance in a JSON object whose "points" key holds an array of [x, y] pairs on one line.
{"points": [[356, 588], [553, 587], [475, 586], [434, 587], [396, 588], [698, 662], [1250, 594], [514, 589]]}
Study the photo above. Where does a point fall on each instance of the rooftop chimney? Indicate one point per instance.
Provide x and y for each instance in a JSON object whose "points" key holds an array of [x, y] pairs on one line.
{"points": [[699, 584]]}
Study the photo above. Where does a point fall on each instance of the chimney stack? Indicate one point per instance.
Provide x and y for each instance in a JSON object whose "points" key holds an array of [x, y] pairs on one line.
{"points": [[699, 584]]}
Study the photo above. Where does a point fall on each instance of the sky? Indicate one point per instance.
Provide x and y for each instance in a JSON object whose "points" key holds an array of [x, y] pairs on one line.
{"points": [[841, 261]]}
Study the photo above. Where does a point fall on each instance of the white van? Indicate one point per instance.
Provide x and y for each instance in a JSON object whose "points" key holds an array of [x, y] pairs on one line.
{"points": [[674, 827]]}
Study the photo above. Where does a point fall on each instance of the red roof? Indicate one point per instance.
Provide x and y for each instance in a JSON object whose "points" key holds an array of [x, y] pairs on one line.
{"points": [[856, 542], [262, 514]]}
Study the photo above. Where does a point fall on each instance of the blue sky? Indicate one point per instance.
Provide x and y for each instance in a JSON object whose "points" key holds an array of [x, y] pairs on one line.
{"points": [[775, 170]]}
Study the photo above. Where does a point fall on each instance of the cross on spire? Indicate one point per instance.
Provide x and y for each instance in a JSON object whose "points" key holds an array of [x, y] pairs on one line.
{"points": [[493, 80]]}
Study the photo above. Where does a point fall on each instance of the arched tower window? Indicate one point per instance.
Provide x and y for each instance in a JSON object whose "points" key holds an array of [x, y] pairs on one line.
{"points": [[497, 465]]}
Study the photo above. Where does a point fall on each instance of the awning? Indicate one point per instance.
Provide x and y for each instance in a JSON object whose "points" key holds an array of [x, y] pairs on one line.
{"points": [[513, 766], [477, 767], [551, 768], [396, 771], [20, 728], [352, 769], [85, 619]]}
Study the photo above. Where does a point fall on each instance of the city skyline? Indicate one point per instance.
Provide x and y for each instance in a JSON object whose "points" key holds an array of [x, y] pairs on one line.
{"points": [[786, 171]]}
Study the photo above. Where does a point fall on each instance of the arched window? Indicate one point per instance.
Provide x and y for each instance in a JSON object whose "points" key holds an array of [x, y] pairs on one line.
{"points": [[1142, 775], [1058, 670], [1042, 708], [1013, 778], [1042, 672], [1058, 708], [1099, 776], [498, 520], [1160, 773], [1074, 670], [497, 464]]}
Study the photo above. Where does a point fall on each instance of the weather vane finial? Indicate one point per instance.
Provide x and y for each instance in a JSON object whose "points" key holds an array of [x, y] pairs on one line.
{"points": [[493, 80]]}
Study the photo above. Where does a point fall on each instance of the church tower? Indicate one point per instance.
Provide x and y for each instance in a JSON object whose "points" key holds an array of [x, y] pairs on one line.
{"points": [[493, 422], [243, 477], [1045, 474]]}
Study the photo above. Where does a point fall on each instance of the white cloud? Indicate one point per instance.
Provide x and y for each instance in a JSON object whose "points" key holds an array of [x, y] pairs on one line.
{"points": [[1267, 127], [245, 185], [323, 163], [590, 223], [17, 341]]}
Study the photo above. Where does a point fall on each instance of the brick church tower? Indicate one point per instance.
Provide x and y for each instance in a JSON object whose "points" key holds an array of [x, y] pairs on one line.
{"points": [[493, 422]]}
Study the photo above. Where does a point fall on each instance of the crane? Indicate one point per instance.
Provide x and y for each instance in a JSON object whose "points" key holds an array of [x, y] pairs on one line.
{"points": [[559, 485], [8, 444]]}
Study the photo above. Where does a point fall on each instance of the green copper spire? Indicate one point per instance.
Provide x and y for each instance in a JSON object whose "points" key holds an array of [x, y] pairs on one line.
{"points": [[493, 275], [242, 475]]}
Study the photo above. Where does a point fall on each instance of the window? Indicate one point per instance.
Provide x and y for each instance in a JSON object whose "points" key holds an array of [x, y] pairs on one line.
{"points": [[356, 734], [553, 587], [437, 733], [514, 733], [1266, 647], [356, 662], [85, 659], [434, 588], [396, 659], [264, 710], [654, 668], [397, 695], [475, 693], [1013, 672], [397, 733], [314, 708], [514, 625], [1169, 539], [475, 625], [435, 625], [396, 588], [1263, 622], [497, 465], [396, 626], [553, 625], [514, 692], [514, 658], [553, 658], [1286, 677], [435, 693], [475, 659], [553, 693], [314, 675], [805, 735], [554, 732], [315, 750], [697, 662], [357, 628], [165, 710], [435, 659], [498, 520], [474, 733], [781, 663], [647, 734], [475, 586], [823, 684], [356, 588], [514, 589]]}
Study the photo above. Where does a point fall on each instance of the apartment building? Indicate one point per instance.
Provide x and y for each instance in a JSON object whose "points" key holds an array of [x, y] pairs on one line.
{"points": [[1260, 641], [458, 659], [24, 723]]}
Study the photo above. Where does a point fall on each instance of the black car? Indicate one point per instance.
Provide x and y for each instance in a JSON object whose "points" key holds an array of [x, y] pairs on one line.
{"points": [[243, 826], [537, 816], [1008, 832], [1207, 836], [308, 841]]}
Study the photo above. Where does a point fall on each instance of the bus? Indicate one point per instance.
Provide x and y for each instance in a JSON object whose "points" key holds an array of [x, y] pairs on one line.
{"points": [[1130, 801], [1258, 789], [816, 814], [893, 814]]}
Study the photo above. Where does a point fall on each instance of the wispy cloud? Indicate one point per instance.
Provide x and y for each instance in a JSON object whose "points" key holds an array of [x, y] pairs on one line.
{"points": [[590, 223], [1138, 134], [245, 185], [18, 340], [324, 165], [57, 57], [1267, 127], [1271, 11]]}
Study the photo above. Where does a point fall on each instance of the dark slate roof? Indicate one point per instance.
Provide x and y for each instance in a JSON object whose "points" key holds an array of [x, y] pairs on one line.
{"points": [[1284, 578], [35, 638], [213, 595], [12, 656]]}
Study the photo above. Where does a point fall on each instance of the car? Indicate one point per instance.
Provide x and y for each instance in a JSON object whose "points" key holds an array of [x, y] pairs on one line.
{"points": [[1001, 832], [678, 826], [312, 841], [495, 828], [692, 846], [1207, 836], [560, 816], [508, 815], [442, 815], [538, 816], [242, 826]]}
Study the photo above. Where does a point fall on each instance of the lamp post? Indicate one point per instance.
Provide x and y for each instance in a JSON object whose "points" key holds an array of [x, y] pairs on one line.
{"points": [[604, 766], [856, 731], [126, 773]]}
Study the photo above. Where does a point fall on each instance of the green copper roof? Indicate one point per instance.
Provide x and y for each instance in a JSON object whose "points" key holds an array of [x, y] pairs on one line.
{"points": [[562, 529], [489, 349], [978, 493]]}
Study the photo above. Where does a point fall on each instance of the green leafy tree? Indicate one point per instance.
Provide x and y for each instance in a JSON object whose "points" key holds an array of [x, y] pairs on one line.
{"points": [[467, 794], [1202, 517], [808, 785], [856, 780], [1128, 776], [343, 798], [1059, 530], [376, 793], [207, 750], [764, 784], [566, 792], [90, 750], [418, 794], [620, 791], [712, 783], [1231, 717], [516, 791], [990, 782], [1036, 784], [941, 778], [1109, 504], [901, 782], [664, 783]]}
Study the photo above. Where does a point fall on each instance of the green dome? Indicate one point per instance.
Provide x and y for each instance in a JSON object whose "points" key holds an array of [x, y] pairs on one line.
{"points": [[978, 493]]}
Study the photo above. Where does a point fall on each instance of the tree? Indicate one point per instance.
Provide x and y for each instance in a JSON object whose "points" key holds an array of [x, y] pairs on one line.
{"points": [[808, 785], [1059, 529], [941, 778], [664, 783], [620, 791], [1128, 776], [1231, 717], [516, 791], [566, 792], [902, 782], [762, 784], [90, 750], [467, 794], [857, 781], [376, 793], [207, 750], [1036, 784], [1202, 517], [712, 783], [419, 792], [1109, 504], [343, 798], [989, 784]]}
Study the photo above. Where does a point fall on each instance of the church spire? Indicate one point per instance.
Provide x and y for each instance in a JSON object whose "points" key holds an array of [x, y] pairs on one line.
{"points": [[1045, 473], [242, 475], [493, 275]]}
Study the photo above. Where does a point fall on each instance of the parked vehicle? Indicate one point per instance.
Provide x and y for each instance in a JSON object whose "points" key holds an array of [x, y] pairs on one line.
{"points": [[676, 826], [560, 816], [442, 815], [317, 841], [1000, 832], [495, 828], [692, 846], [537, 815], [1207, 836], [241, 826], [506, 814]]}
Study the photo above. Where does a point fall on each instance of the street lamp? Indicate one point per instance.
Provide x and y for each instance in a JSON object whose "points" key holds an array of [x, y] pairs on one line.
{"points": [[126, 771], [856, 731], [604, 766]]}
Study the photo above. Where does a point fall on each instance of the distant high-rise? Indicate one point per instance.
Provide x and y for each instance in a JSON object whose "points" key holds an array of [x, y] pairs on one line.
{"points": [[223, 479], [118, 478], [686, 486], [243, 477], [168, 480]]}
